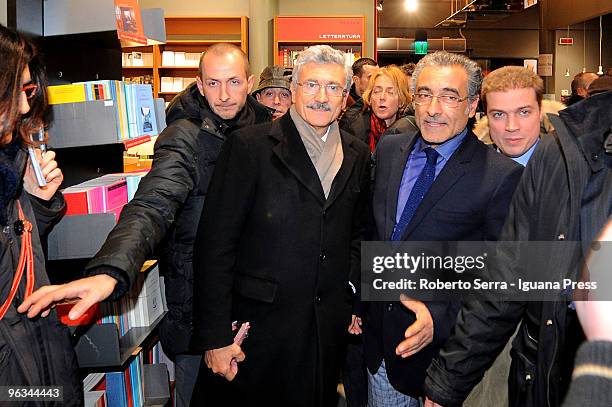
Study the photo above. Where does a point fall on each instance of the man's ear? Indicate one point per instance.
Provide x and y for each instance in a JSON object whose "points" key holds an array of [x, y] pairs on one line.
{"points": [[200, 85], [293, 92], [250, 82], [473, 106], [344, 100]]}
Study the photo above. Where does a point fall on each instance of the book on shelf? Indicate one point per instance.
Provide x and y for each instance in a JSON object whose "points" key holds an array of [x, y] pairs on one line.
{"points": [[124, 388], [287, 57], [131, 59], [192, 59], [177, 84], [134, 104], [105, 194], [167, 84], [96, 196], [66, 94], [140, 308], [167, 58], [95, 399], [143, 110], [170, 84], [142, 79], [181, 59]]}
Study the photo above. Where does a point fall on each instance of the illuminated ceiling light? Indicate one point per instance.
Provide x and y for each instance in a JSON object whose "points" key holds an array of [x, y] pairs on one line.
{"points": [[411, 5], [379, 6]]}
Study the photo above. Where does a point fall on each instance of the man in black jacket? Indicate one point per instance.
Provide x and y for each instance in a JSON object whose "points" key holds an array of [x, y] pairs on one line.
{"points": [[169, 201], [565, 194]]}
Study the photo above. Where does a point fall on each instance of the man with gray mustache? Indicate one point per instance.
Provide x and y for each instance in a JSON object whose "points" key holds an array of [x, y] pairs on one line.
{"points": [[278, 246], [438, 184]]}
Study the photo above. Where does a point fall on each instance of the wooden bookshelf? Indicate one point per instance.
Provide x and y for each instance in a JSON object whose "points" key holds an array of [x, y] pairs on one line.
{"points": [[292, 34], [189, 35]]}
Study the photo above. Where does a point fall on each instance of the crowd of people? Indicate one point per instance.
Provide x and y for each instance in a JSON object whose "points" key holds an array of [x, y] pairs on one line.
{"points": [[257, 203]]}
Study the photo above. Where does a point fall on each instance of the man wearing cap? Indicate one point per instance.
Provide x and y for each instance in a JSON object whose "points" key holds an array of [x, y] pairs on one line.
{"points": [[274, 91]]}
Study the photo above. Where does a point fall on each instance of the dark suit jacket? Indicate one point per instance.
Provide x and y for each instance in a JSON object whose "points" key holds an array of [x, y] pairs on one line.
{"points": [[273, 251], [468, 201]]}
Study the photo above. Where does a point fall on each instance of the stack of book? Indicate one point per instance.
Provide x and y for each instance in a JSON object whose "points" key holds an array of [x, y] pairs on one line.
{"points": [[137, 59], [134, 104], [141, 80], [287, 57], [181, 59], [125, 389], [170, 84], [96, 196], [106, 194], [144, 304]]}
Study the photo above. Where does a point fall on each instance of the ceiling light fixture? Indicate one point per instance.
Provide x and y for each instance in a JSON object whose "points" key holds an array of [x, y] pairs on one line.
{"points": [[583, 46], [600, 71], [411, 5], [567, 70]]}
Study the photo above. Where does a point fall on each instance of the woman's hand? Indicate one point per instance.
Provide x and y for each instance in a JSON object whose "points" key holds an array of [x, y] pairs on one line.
{"points": [[52, 173]]}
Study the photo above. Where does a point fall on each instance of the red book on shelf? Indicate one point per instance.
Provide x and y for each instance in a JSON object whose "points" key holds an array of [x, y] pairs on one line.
{"points": [[76, 202], [133, 142], [128, 387]]}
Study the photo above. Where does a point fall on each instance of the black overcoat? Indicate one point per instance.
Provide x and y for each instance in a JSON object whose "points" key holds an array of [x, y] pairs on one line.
{"points": [[273, 251]]}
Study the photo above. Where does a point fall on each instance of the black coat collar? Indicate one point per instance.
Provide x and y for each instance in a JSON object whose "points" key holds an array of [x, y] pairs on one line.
{"points": [[454, 169], [292, 153]]}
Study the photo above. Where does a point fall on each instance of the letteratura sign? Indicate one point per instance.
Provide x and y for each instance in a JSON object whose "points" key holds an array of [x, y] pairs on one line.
{"points": [[320, 29]]}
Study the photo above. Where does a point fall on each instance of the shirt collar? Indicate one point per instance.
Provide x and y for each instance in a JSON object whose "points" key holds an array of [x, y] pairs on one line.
{"points": [[524, 158], [324, 137], [445, 149]]}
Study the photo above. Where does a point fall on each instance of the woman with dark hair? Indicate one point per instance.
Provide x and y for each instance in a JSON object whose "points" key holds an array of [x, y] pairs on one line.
{"points": [[33, 352]]}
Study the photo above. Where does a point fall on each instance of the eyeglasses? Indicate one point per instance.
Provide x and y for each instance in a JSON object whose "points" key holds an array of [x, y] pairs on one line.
{"points": [[30, 90], [450, 101], [331, 89]]}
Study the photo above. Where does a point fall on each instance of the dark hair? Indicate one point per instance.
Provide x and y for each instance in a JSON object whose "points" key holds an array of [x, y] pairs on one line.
{"points": [[408, 69], [358, 65], [17, 53]]}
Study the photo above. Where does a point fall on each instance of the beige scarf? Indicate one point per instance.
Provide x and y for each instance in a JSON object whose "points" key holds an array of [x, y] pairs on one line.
{"points": [[327, 155]]}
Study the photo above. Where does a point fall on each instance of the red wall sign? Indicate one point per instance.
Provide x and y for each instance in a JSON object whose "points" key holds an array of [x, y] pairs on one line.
{"points": [[320, 29]]}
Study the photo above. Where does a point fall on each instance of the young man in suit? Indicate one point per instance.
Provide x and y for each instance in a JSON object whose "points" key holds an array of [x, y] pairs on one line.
{"points": [[438, 184], [278, 247]]}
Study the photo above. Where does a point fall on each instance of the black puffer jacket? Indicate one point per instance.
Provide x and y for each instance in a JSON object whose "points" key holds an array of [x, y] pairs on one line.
{"points": [[166, 208], [33, 352], [546, 207]]}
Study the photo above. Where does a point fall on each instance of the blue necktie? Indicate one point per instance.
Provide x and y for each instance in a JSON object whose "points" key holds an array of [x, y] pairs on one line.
{"points": [[420, 188]]}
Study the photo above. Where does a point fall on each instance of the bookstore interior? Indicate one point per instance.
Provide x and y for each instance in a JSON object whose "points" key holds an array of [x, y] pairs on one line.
{"points": [[114, 67]]}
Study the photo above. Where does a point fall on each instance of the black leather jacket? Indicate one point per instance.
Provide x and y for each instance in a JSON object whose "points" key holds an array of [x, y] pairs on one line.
{"points": [[166, 209], [546, 207]]}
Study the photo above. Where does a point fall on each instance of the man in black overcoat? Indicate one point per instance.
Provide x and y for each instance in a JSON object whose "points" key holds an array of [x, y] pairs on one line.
{"points": [[278, 247]]}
